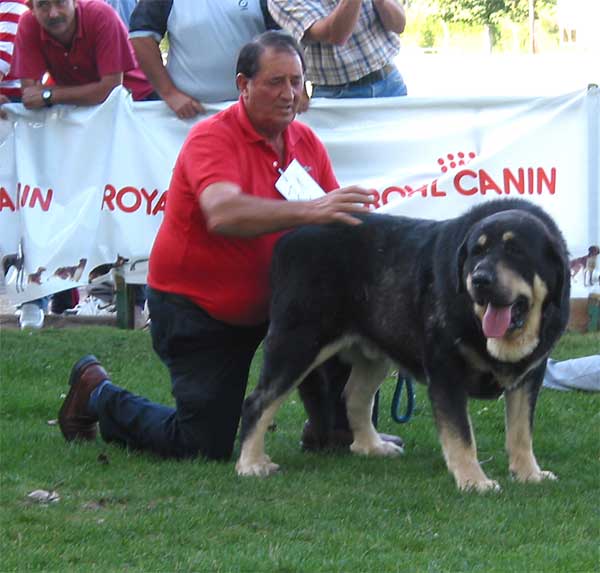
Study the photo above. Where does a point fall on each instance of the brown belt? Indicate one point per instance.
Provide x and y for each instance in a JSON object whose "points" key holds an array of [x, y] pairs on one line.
{"points": [[370, 78]]}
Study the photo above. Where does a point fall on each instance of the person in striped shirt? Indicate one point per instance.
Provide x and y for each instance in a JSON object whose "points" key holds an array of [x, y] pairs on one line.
{"points": [[10, 12]]}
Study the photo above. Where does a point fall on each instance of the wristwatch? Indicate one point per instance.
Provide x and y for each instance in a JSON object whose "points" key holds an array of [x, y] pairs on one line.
{"points": [[47, 97]]}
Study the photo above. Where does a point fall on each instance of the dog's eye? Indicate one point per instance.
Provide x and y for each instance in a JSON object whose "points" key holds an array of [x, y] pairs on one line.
{"points": [[478, 250], [512, 248]]}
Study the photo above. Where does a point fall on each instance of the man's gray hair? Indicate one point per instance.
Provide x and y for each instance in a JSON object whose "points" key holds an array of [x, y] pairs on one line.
{"points": [[248, 62]]}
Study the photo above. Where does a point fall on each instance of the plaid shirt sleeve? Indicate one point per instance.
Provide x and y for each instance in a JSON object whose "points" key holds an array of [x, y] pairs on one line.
{"points": [[296, 16]]}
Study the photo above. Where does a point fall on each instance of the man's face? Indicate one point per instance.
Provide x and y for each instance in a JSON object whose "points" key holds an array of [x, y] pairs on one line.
{"points": [[57, 17], [272, 96]]}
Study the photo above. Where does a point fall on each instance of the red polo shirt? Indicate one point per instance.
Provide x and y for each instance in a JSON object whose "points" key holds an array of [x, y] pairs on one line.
{"points": [[228, 277], [100, 47]]}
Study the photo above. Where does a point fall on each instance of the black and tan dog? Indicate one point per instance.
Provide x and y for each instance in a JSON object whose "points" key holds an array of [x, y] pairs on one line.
{"points": [[472, 306]]}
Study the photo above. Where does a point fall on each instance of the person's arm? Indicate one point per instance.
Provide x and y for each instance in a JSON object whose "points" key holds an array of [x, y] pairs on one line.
{"points": [[85, 94], [147, 51], [9, 18], [337, 27], [228, 211], [392, 15], [3, 99]]}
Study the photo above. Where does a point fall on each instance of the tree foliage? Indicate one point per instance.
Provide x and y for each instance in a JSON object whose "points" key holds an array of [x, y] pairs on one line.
{"points": [[487, 12]]}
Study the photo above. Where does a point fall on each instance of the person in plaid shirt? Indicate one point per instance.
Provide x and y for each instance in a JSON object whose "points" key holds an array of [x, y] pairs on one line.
{"points": [[349, 45]]}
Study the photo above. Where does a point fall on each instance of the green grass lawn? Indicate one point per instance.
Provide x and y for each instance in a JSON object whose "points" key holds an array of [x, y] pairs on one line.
{"points": [[121, 511]]}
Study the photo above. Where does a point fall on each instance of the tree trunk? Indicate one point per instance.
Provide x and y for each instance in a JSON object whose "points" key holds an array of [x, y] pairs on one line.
{"points": [[532, 46], [488, 38]]}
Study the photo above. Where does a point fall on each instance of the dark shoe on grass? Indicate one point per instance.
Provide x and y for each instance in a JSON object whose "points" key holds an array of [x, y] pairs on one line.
{"points": [[336, 439], [74, 418]]}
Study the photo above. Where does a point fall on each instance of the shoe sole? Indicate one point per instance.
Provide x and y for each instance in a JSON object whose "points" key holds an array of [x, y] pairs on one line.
{"points": [[80, 365]]}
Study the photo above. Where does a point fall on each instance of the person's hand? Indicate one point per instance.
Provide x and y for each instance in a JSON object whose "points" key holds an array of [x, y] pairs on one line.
{"points": [[3, 99], [32, 97], [184, 106], [338, 205], [304, 102]]}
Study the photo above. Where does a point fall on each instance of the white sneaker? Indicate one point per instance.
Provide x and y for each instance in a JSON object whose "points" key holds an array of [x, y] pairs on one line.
{"points": [[92, 306], [141, 317], [32, 316]]}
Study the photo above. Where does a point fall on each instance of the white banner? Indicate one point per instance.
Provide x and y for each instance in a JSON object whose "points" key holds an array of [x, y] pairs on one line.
{"points": [[81, 187]]}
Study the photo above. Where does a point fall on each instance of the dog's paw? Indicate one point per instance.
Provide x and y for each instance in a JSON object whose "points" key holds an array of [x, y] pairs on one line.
{"points": [[479, 486], [263, 467], [379, 448], [534, 477]]}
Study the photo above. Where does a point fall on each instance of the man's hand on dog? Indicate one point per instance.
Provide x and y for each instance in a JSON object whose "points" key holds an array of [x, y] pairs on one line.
{"points": [[337, 206]]}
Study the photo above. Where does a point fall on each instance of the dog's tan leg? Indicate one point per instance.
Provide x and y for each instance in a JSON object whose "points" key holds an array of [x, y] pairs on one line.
{"points": [[522, 463], [461, 459], [365, 379], [449, 403], [253, 460]]}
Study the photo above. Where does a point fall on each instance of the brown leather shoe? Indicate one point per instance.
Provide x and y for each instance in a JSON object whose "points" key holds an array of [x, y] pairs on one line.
{"points": [[74, 418]]}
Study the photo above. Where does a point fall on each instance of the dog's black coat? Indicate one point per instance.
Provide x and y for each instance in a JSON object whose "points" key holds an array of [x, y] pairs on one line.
{"points": [[406, 287]]}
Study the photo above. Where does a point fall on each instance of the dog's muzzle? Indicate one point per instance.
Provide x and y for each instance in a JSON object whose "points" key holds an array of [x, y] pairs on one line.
{"points": [[502, 312]]}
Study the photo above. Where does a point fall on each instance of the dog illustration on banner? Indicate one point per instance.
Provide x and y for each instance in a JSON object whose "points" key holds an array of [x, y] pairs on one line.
{"points": [[36, 278], [105, 268], [16, 261], [71, 273], [587, 263]]}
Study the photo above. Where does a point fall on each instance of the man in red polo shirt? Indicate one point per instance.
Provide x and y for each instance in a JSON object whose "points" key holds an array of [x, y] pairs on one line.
{"points": [[209, 264], [83, 45]]}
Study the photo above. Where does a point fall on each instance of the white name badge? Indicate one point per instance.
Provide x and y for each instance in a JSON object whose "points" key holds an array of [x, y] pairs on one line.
{"points": [[295, 184]]}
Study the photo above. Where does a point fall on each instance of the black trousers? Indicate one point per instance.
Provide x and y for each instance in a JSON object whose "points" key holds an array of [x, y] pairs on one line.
{"points": [[209, 362]]}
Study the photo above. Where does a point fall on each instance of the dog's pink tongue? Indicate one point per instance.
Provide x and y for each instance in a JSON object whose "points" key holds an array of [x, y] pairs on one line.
{"points": [[496, 321]]}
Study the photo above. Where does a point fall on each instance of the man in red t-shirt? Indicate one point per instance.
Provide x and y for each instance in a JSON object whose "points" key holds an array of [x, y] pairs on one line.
{"points": [[209, 264], [83, 45]]}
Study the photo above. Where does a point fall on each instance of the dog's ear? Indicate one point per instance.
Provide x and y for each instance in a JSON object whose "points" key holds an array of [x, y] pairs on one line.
{"points": [[460, 258]]}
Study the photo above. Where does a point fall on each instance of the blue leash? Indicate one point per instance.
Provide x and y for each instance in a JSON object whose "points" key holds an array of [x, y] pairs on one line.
{"points": [[410, 400]]}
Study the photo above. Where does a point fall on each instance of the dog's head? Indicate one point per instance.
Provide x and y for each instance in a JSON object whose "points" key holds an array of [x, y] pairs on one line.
{"points": [[593, 251], [512, 267]]}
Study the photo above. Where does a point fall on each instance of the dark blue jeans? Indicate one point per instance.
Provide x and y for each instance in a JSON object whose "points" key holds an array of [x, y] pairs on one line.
{"points": [[209, 362], [391, 86]]}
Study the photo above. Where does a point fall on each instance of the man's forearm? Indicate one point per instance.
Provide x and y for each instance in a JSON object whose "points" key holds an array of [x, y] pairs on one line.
{"points": [[230, 212], [149, 57], [337, 27], [392, 15], [86, 94], [251, 216]]}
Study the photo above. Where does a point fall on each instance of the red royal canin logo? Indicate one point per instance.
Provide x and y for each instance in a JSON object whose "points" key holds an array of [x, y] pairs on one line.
{"points": [[468, 182]]}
